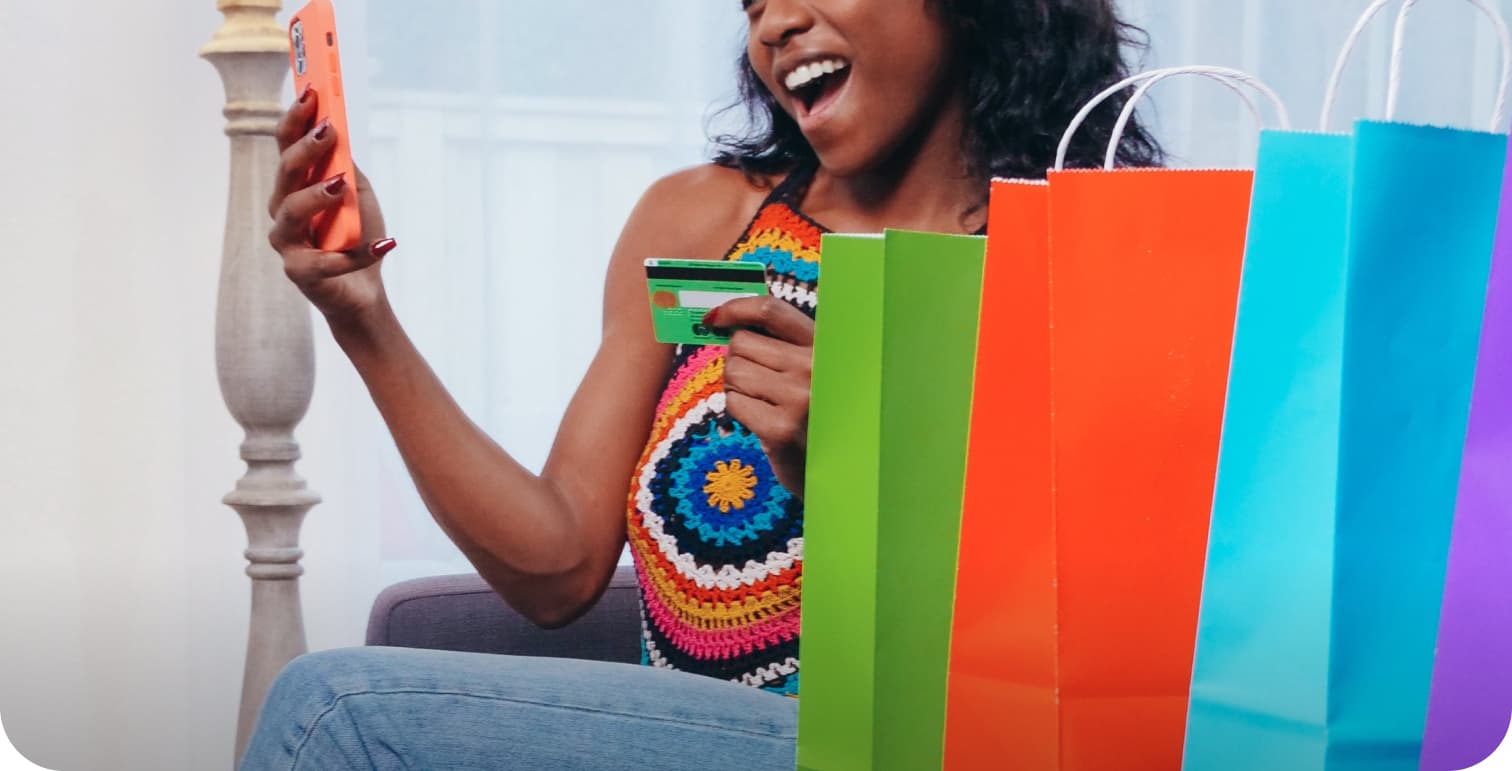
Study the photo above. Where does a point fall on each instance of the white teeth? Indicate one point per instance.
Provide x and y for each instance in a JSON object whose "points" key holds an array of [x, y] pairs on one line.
{"points": [[808, 73]]}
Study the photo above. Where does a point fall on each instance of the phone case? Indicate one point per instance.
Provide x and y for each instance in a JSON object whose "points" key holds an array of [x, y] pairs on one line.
{"points": [[315, 60]]}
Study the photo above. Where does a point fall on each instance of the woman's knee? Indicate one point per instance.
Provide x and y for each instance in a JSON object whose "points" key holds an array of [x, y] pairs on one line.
{"points": [[319, 672], [303, 697], [313, 683]]}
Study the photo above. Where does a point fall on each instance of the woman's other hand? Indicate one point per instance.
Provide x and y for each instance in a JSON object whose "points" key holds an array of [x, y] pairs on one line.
{"points": [[345, 286], [768, 372]]}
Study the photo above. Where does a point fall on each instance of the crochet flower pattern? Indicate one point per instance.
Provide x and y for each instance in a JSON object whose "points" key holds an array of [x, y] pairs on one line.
{"points": [[717, 541], [730, 484]]}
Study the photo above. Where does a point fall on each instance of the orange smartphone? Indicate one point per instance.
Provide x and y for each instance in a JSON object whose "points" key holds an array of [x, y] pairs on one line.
{"points": [[316, 61]]}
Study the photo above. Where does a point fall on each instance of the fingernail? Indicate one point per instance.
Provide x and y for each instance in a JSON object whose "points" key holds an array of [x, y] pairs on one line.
{"points": [[336, 184], [322, 130], [380, 248], [710, 317], [304, 96]]}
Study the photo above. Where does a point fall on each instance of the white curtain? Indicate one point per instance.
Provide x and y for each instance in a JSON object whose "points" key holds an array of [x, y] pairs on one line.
{"points": [[508, 140], [1452, 64], [508, 143]]}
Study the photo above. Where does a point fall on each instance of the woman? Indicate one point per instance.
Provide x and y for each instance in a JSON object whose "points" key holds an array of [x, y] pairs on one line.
{"points": [[866, 114]]}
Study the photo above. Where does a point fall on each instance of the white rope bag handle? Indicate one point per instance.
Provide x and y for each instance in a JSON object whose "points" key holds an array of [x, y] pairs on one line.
{"points": [[1233, 79], [1398, 46]]}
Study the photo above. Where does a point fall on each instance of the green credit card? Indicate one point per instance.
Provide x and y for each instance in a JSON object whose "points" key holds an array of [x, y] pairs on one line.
{"points": [[684, 291]]}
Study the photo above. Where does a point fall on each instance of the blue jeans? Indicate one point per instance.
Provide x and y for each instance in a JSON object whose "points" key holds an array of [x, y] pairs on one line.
{"points": [[396, 708]]}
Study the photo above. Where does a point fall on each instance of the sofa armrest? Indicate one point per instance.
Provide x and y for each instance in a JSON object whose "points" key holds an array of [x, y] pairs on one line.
{"points": [[462, 613]]}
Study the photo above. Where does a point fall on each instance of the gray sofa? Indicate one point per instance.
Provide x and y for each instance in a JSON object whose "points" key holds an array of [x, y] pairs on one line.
{"points": [[461, 613]]}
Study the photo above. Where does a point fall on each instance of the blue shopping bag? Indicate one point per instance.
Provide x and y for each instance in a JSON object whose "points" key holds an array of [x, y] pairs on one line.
{"points": [[1354, 355], [1421, 235]]}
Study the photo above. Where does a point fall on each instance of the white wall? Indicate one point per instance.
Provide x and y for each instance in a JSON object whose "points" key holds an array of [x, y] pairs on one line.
{"points": [[123, 606]]}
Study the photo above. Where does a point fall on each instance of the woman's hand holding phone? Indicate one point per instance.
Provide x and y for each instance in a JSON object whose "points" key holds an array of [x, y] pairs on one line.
{"points": [[345, 286]]}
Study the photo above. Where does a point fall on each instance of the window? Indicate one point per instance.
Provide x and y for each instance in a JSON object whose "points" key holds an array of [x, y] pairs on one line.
{"points": [[508, 142]]}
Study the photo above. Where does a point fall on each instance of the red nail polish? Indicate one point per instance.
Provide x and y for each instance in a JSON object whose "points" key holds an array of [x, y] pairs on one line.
{"points": [[381, 248], [335, 185], [304, 96], [322, 130]]}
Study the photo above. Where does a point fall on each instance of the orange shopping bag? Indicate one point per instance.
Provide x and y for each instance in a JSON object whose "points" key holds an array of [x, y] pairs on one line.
{"points": [[1108, 314]]}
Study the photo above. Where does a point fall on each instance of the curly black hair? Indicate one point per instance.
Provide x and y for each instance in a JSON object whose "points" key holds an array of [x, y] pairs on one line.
{"points": [[1029, 66]]}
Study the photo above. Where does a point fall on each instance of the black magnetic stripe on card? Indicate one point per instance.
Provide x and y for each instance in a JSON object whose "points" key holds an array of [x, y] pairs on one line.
{"points": [[736, 275]]}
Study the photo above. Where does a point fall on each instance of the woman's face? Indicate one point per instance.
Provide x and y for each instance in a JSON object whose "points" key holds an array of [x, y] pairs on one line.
{"points": [[859, 76]]}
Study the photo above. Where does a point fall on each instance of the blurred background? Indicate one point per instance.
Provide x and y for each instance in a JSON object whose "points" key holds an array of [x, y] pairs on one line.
{"points": [[508, 142]]}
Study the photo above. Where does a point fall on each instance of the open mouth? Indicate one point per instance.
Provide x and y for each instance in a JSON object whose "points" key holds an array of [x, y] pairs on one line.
{"points": [[815, 84]]}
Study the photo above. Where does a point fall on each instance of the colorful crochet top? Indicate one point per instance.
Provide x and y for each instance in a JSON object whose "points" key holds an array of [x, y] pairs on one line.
{"points": [[717, 541]]}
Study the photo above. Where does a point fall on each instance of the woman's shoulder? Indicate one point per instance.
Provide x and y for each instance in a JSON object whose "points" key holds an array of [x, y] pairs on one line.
{"points": [[711, 185], [702, 208]]}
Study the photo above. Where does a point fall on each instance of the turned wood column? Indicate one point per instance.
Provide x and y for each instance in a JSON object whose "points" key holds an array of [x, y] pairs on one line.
{"points": [[264, 351]]}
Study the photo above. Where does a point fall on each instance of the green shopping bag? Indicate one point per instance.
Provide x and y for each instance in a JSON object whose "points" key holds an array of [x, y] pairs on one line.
{"points": [[837, 643], [894, 359]]}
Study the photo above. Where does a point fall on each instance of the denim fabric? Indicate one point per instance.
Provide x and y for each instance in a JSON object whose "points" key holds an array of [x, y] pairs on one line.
{"points": [[397, 708]]}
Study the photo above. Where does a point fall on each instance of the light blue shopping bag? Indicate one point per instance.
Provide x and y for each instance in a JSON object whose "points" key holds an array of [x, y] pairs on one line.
{"points": [[1261, 670]]}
